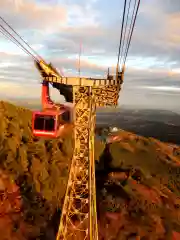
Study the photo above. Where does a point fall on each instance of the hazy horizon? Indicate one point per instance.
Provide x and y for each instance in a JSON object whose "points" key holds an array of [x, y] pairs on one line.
{"points": [[37, 101]]}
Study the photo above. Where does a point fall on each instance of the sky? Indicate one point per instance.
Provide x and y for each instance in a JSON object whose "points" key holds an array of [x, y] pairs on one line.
{"points": [[55, 29]]}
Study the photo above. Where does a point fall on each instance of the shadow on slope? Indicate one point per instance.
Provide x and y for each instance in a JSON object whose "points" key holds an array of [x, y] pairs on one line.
{"points": [[138, 189]]}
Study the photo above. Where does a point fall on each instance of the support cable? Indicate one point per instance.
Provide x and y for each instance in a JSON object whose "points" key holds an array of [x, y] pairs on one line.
{"points": [[21, 38], [122, 27], [125, 33], [131, 31], [14, 40]]}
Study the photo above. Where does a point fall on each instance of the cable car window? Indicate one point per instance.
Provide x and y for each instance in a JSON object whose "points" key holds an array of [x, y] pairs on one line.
{"points": [[65, 116], [50, 123], [38, 122], [44, 122]]}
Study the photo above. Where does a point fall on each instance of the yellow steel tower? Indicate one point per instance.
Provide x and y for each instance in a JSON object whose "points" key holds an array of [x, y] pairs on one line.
{"points": [[79, 218]]}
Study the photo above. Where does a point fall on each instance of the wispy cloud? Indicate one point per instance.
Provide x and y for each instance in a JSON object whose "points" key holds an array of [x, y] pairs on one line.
{"points": [[161, 88], [55, 29]]}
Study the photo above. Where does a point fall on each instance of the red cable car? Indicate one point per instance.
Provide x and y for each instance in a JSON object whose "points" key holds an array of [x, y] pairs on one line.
{"points": [[52, 120]]}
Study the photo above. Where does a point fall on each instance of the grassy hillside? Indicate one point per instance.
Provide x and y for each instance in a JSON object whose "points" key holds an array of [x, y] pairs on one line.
{"points": [[138, 183], [39, 167], [140, 191]]}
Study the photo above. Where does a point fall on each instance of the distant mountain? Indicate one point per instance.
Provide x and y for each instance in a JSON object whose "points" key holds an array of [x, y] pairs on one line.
{"points": [[143, 114], [33, 104], [163, 125]]}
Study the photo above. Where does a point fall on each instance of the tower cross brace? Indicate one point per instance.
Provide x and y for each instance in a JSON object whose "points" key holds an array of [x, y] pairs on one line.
{"points": [[79, 216]]}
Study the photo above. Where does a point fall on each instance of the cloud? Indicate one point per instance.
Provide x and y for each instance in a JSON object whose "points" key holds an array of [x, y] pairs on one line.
{"points": [[161, 88], [169, 6], [33, 15], [55, 29], [25, 91], [158, 36]]}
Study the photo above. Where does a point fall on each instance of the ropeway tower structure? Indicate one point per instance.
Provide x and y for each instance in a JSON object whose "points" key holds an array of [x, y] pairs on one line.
{"points": [[79, 217]]}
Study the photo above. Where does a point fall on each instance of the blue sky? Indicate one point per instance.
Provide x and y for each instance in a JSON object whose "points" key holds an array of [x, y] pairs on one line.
{"points": [[55, 28]]}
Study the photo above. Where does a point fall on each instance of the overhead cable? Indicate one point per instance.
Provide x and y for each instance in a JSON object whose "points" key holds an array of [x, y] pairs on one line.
{"points": [[122, 27], [14, 40], [21, 38], [131, 30], [125, 32]]}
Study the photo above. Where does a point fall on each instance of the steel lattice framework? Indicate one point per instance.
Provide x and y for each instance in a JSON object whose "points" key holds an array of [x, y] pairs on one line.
{"points": [[78, 220], [79, 217]]}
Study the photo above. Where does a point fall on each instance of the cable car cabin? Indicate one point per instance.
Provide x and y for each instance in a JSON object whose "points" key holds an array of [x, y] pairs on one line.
{"points": [[50, 123]]}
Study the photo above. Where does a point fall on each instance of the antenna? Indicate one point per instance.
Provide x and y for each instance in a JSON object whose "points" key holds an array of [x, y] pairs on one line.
{"points": [[117, 72], [79, 65], [108, 73]]}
